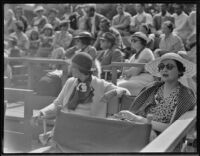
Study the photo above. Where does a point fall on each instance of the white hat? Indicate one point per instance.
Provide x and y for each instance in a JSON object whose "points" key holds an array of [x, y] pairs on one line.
{"points": [[39, 8], [152, 67]]}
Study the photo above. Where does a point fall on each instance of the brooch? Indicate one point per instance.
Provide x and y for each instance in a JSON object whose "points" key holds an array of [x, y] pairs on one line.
{"points": [[82, 87]]}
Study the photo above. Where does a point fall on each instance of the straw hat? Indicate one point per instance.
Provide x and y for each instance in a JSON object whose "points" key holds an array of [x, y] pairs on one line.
{"points": [[39, 8], [152, 67]]}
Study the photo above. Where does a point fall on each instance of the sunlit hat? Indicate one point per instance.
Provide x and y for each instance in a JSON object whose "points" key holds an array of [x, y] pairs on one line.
{"points": [[152, 67], [39, 8], [84, 34], [140, 35], [109, 37]]}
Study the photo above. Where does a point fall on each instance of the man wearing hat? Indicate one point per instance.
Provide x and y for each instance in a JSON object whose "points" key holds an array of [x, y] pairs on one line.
{"points": [[105, 26], [40, 20], [53, 19]]}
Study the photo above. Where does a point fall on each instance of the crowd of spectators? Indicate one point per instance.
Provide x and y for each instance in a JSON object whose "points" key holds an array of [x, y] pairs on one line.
{"points": [[82, 28]]}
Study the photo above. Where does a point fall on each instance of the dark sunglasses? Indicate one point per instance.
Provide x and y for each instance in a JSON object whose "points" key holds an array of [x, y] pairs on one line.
{"points": [[161, 66], [134, 40]]}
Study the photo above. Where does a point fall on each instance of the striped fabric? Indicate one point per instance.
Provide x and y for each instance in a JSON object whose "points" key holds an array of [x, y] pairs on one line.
{"points": [[186, 99]]}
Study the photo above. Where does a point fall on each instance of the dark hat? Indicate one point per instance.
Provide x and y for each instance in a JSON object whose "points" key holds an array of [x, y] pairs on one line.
{"points": [[140, 35], [82, 61], [84, 34], [19, 24], [109, 37]]}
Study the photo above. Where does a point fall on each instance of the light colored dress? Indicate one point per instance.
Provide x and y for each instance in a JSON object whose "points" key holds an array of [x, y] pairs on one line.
{"points": [[135, 83]]}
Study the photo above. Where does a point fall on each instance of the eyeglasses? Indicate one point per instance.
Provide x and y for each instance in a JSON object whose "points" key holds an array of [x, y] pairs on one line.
{"points": [[133, 40], [161, 66]]}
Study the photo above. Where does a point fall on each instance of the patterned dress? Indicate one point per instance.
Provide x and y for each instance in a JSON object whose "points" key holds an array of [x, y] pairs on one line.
{"points": [[163, 108]]}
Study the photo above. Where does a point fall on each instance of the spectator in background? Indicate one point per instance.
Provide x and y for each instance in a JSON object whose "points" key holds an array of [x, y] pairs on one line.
{"points": [[139, 18], [110, 53], [180, 20], [78, 20], [161, 17], [105, 26], [40, 20], [93, 19], [122, 20], [14, 51], [67, 11], [169, 42], [53, 19], [151, 37], [81, 17], [9, 22], [137, 78], [83, 44], [46, 39], [22, 38], [19, 15], [62, 40], [34, 40]]}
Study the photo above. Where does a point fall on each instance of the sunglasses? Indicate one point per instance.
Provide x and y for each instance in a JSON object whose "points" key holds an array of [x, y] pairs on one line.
{"points": [[161, 66], [134, 40]]}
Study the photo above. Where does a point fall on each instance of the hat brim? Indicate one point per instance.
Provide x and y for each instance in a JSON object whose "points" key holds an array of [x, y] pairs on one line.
{"points": [[76, 37], [152, 67]]}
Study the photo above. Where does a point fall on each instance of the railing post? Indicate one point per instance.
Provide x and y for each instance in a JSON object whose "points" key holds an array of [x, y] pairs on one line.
{"points": [[114, 75]]}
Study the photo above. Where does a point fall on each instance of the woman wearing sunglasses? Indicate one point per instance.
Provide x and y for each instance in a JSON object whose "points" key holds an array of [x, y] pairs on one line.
{"points": [[137, 78], [167, 99]]}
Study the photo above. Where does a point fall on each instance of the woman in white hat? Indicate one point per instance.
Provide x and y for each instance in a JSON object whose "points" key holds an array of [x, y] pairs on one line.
{"points": [[137, 78], [167, 99], [40, 20]]}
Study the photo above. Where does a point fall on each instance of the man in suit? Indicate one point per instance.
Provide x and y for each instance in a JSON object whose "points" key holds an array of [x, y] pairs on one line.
{"points": [[93, 19], [161, 17], [122, 20]]}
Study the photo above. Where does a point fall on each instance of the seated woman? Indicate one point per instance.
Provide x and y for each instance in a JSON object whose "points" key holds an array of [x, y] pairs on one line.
{"points": [[110, 53], [82, 44], [169, 42], [136, 77], [167, 99], [46, 45], [84, 93]]}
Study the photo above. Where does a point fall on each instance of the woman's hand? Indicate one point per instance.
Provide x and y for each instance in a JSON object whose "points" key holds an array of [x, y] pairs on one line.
{"points": [[108, 96], [125, 114]]}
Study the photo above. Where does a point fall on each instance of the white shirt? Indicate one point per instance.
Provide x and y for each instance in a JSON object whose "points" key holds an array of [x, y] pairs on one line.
{"points": [[140, 17], [180, 20]]}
